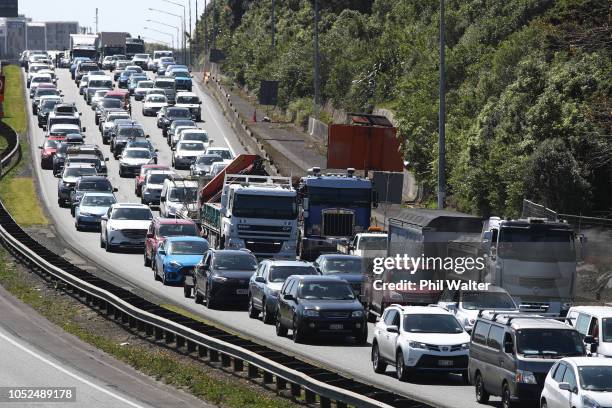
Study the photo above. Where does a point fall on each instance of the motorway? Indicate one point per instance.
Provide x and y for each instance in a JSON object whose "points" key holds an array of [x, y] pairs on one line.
{"points": [[445, 391], [37, 353]]}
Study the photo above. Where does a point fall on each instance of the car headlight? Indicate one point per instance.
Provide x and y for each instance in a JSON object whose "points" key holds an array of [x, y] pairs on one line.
{"points": [[588, 402], [311, 313], [417, 345], [526, 377], [357, 313], [175, 264], [219, 279], [465, 346]]}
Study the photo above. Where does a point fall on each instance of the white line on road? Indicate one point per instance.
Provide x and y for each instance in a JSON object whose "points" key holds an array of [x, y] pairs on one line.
{"points": [[75, 376]]}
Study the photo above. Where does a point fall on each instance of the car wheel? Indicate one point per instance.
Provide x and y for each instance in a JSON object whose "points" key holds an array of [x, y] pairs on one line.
{"points": [[108, 247], [253, 313], [147, 261], [163, 277], [101, 242], [97, 120], [210, 301], [281, 330], [506, 397], [120, 171], [378, 364], [199, 299], [266, 317], [400, 368], [72, 210], [298, 335], [155, 276], [482, 396], [77, 226]]}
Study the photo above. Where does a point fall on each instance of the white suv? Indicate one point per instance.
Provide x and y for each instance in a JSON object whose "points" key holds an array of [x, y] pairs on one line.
{"points": [[420, 338], [125, 225]]}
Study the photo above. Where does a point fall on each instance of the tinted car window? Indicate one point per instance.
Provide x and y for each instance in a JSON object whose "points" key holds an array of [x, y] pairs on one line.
{"points": [[595, 378], [235, 262], [431, 323], [496, 335], [559, 372], [98, 201], [132, 214], [342, 265], [390, 317], [170, 230], [480, 332], [188, 247], [95, 186], [569, 377], [326, 291], [110, 103], [281, 273]]}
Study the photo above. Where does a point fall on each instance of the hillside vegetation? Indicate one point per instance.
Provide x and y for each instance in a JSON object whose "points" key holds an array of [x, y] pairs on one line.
{"points": [[528, 87]]}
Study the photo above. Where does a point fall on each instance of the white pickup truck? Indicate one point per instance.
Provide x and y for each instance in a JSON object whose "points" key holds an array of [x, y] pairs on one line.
{"points": [[366, 245]]}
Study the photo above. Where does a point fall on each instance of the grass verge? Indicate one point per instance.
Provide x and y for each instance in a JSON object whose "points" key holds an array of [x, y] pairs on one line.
{"points": [[202, 381], [18, 193]]}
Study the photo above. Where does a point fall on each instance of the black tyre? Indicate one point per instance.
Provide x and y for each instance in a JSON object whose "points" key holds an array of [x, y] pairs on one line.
{"points": [[187, 291], [506, 397], [101, 242], [378, 364], [266, 317], [401, 372], [362, 338], [210, 300], [298, 335], [155, 276], [199, 299], [253, 313], [281, 330], [543, 404], [147, 261], [482, 396]]}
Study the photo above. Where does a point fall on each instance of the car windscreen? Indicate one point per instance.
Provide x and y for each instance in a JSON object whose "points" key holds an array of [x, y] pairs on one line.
{"points": [[130, 132], [49, 103], [157, 98], [375, 243], [225, 154], [351, 197], [137, 154], [182, 74], [96, 83], [431, 323], [178, 113], [158, 178], [80, 171], [46, 91], [65, 120], [264, 206], [183, 194], [201, 136], [191, 146], [140, 143], [278, 273], [88, 67], [208, 160], [42, 79], [326, 291], [173, 230], [111, 102], [188, 247], [549, 343], [145, 84], [98, 201], [595, 378], [95, 186], [101, 94], [235, 262], [164, 84], [112, 118], [188, 99], [50, 144], [487, 300], [334, 266], [58, 131], [536, 243], [138, 214], [141, 56]]}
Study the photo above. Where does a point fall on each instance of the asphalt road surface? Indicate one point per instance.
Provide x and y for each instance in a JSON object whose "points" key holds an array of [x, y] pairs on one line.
{"points": [[37, 353], [439, 390]]}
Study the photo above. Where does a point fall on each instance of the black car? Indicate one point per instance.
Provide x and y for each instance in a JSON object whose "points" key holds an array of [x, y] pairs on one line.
{"points": [[107, 103], [93, 159], [88, 184], [170, 114], [348, 267], [323, 305], [223, 277], [36, 98], [68, 109], [43, 111], [59, 158], [122, 135]]}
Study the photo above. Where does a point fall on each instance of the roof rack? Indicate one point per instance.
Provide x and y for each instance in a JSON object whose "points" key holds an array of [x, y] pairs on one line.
{"points": [[512, 316]]}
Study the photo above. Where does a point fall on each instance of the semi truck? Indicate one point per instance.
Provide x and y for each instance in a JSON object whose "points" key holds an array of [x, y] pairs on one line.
{"points": [[83, 45], [334, 207], [134, 46], [258, 213], [111, 43]]}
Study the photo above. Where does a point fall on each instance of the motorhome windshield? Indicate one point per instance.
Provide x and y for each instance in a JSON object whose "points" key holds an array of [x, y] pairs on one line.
{"points": [[260, 206]]}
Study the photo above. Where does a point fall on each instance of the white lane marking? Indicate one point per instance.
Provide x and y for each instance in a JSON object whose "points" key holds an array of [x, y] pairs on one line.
{"points": [[212, 116], [75, 376]]}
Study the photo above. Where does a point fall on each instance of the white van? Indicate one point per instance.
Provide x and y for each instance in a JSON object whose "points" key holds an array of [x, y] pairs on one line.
{"points": [[175, 195], [594, 323]]}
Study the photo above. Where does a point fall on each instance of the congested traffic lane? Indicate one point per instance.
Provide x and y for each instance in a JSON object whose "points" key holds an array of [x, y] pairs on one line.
{"points": [[353, 360]]}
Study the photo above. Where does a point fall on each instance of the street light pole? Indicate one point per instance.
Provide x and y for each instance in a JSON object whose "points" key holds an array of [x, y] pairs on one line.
{"points": [[167, 25], [442, 118], [184, 29], [273, 24], [162, 32], [316, 59]]}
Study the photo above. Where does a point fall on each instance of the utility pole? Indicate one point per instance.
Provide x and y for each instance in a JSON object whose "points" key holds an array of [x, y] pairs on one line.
{"points": [[190, 33], [205, 29], [97, 20], [273, 24], [316, 59], [442, 118]]}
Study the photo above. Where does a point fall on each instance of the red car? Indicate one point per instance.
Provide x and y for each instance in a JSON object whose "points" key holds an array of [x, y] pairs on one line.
{"points": [[122, 95], [161, 228], [48, 150], [143, 174]]}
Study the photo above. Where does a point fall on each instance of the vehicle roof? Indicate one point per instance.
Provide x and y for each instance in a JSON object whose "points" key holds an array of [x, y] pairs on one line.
{"points": [[286, 262], [98, 193], [185, 94], [164, 79], [101, 77], [422, 310], [520, 321], [588, 361], [154, 166], [373, 234], [216, 149], [161, 171], [74, 115], [64, 126], [93, 178], [597, 311], [194, 130], [232, 252], [340, 256], [142, 149], [186, 238], [317, 278], [191, 142], [78, 165], [117, 92], [130, 205], [181, 183], [171, 221]]}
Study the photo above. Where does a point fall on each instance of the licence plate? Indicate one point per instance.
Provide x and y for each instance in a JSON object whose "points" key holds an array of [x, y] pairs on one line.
{"points": [[445, 363], [242, 291], [336, 327]]}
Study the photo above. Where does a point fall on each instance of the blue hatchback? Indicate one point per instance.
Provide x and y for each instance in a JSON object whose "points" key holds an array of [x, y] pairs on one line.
{"points": [[176, 257]]}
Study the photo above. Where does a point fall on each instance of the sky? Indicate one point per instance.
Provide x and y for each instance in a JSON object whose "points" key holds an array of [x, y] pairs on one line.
{"points": [[113, 15]]}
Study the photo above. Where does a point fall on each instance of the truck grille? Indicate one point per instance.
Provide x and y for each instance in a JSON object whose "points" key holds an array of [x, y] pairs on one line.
{"points": [[134, 233], [338, 223], [542, 283], [264, 247]]}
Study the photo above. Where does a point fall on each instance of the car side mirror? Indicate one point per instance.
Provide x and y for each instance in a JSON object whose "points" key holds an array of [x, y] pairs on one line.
{"points": [[565, 386], [40, 147], [115, 189], [45, 128], [150, 235], [393, 329], [106, 159], [288, 296], [84, 129], [104, 218], [589, 339], [211, 141], [147, 136], [508, 347], [119, 157], [156, 150], [173, 148], [260, 279], [81, 114]]}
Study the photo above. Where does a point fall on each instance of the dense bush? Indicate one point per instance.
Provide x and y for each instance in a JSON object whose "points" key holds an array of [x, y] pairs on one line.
{"points": [[528, 86]]}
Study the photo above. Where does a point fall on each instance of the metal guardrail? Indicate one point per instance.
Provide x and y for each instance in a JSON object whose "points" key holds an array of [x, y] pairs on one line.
{"points": [[311, 383]]}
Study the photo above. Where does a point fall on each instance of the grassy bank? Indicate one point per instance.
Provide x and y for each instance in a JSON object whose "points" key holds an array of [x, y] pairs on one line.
{"points": [[18, 193], [202, 381]]}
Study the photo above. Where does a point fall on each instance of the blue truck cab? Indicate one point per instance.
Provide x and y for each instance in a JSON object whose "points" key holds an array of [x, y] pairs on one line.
{"points": [[334, 207]]}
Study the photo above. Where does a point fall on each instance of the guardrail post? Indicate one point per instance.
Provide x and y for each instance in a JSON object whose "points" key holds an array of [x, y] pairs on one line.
{"points": [[202, 351], [226, 361], [117, 314], [141, 325], [253, 371], [191, 346], [124, 318], [213, 356], [268, 378], [340, 404], [132, 322], [296, 390], [169, 337], [309, 396], [238, 364], [148, 330], [159, 333], [324, 402], [281, 384], [180, 342]]}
